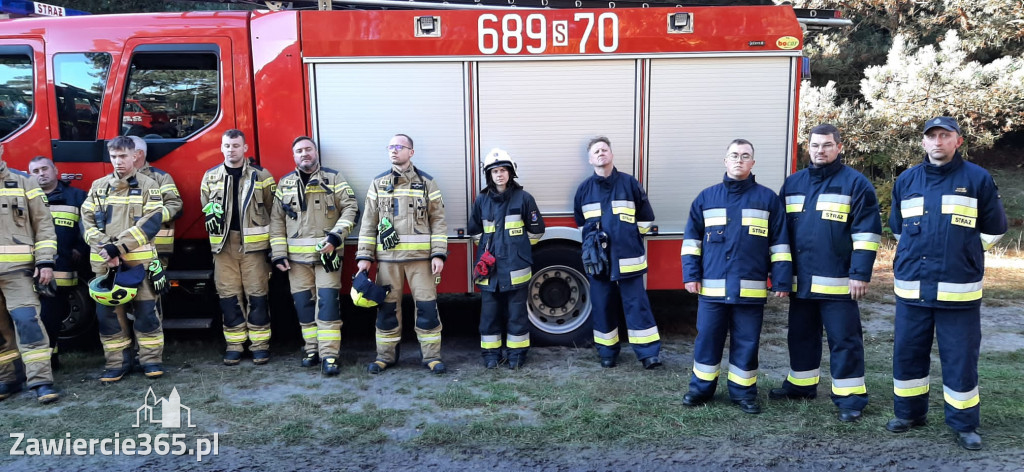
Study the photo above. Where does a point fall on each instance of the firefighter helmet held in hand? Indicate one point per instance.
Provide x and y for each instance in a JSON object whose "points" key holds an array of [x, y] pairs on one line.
{"points": [[367, 294], [118, 287], [499, 158]]}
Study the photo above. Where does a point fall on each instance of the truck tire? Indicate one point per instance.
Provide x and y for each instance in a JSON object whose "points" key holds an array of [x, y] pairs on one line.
{"points": [[78, 328], [558, 300]]}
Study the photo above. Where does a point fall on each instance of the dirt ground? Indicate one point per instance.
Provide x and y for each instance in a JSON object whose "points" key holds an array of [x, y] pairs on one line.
{"points": [[400, 388]]}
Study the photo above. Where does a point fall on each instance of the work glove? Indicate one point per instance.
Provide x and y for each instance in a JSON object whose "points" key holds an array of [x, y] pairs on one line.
{"points": [[214, 218], [595, 243], [483, 267], [331, 261], [158, 277], [288, 211], [388, 236], [45, 290]]}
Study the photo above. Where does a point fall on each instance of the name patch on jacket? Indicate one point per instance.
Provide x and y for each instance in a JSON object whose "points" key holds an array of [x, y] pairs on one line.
{"points": [[135, 191], [9, 184], [515, 231], [758, 231], [627, 218], [964, 221], [64, 222], [834, 216], [416, 186]]}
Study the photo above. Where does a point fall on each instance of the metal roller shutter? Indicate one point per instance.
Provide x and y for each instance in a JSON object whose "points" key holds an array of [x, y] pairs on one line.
{"points": [[697, 107], [545, 112], [359, 107]]}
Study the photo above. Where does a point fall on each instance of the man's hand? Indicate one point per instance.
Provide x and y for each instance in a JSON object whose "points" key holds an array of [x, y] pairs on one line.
{"points": [[45, 274], [437, 265], [111, 261], [692, 287], [283, 265], [364, 266], [858, 288], [326, 247], [76, 256], [781, 294]]}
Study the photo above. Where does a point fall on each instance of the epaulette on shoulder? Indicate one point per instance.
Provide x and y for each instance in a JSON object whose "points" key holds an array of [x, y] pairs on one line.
{"points": [[382, 174], [213, 168], [423, 174], [157, 170], [20, 173], [328, 170], [253, 164]]}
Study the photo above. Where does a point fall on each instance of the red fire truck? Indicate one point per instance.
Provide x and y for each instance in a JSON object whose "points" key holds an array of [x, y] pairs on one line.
{"points": [[669, 86]]}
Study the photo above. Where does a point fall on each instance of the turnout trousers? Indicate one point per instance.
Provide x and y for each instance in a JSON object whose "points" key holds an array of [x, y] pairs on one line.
{"points": [[959, 335], [22, 334], [714, 321], [242, 280], [504, 311], [626, 295], [315, 292], [841, 322], [148, 327], [423, 285]]}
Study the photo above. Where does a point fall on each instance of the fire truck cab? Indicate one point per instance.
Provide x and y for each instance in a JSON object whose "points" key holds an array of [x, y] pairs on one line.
{"points": [[670, 87]]}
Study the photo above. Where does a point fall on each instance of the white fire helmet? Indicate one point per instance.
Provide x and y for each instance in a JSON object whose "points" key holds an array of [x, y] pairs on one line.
{"points": [[498, 157]]}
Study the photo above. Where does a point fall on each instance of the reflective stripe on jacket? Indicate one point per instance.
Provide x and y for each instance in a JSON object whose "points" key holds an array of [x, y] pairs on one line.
{"points": [[255, 191], [509, 223], [125, 212], [945, 218], [834, 229], [735, 236], [412, 201], [27, 235], [324, 205], [621, 205], [164, 240]]}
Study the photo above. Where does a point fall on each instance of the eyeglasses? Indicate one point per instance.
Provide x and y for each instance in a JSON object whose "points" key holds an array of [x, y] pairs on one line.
{"points": [[397, 147], [739, 157], [825, 147]]}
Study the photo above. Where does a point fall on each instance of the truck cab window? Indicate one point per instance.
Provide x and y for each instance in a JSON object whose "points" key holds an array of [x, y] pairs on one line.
{"points": [[15, 93], [79, 80], [170, 95]]}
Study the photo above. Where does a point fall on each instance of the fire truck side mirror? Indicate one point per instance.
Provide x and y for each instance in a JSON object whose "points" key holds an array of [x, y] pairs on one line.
{"points": [[461, 233], [654, 230]]}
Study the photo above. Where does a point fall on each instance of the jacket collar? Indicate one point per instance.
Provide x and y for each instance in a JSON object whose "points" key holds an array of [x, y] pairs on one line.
{"points": [[950, 167], [827, 170], [738, 186]]}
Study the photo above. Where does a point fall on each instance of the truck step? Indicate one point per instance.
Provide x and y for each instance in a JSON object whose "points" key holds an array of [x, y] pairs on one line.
{"points": [[188, 323], [205, 274]]}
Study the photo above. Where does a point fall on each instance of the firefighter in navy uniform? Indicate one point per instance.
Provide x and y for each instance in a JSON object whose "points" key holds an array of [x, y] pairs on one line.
{"points": [[314, 210], [946, 213], [735, 236], [164, 240], [506, 222], [28, 245], [404, 230], [65, 203], [236, 197], [120, 216], [614, 213], [834, 231]]}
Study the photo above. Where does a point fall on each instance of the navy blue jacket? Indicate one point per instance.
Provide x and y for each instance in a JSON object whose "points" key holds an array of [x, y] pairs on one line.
{"points": [[945, 218], [65, 207], [834, 229], [625, 214], [508, 224], [736, 235]]}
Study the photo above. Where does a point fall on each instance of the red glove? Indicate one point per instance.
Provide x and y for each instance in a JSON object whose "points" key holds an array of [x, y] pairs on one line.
{"points": [[483, 266]]}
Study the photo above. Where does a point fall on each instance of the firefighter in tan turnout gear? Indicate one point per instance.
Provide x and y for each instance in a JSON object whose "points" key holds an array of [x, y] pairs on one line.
{"points": [[164, 240], [404, 230], [28, 244], [120, 216], [314, 210], [236, 198]]}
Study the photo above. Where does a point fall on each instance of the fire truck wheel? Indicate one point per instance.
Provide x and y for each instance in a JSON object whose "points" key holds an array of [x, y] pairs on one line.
{"points": [[78, 328], [558, 302]]}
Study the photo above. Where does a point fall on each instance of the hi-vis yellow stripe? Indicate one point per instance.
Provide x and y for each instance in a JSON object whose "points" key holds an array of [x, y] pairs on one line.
{"points": [[911, 388]]}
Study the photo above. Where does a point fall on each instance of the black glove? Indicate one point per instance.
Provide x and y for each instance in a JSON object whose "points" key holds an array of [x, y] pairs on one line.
{"points": [[45, 290], [158, 276], [330, 260], [214, 218], [388, 236], [288, 211], [595, 242]]}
